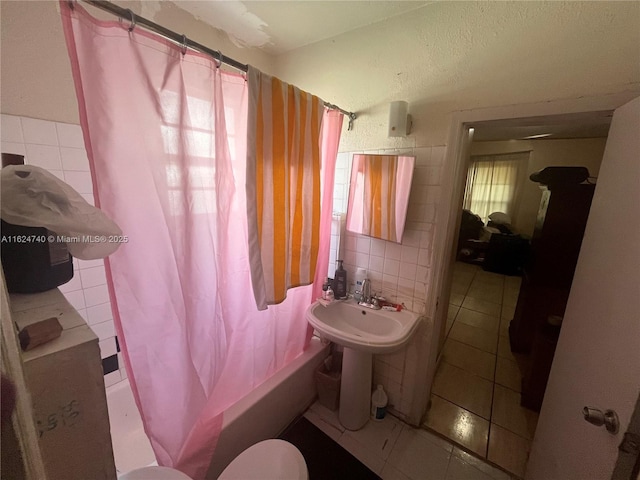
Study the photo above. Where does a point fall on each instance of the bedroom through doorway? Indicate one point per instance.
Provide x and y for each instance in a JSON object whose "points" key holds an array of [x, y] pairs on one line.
{"points": [[490, 382]]}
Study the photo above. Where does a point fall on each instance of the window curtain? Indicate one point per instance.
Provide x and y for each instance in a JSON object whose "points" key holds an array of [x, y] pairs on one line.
{"points": [[494, 184], [166, 138], [283, 186]]}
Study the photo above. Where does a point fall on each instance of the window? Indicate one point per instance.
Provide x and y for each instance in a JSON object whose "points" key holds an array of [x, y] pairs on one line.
{"points": [[493, 184]]}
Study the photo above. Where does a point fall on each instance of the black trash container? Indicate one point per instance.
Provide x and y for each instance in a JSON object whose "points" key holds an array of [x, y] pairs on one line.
{"points": [[33, 259]]}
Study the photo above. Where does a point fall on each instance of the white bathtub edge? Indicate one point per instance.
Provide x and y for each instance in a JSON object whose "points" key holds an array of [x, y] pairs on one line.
{"points": [[269, 408]]}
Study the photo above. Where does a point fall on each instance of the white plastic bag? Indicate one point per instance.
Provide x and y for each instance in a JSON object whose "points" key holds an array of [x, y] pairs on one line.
{"points": [[33, 197]]}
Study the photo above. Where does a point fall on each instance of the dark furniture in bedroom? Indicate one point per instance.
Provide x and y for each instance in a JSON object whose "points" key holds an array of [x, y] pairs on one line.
{"points": [[506, 254], [547, 278]]}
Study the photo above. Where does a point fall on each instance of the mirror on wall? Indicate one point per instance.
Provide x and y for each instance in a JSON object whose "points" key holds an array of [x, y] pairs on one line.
{"points": [[379, 195]]}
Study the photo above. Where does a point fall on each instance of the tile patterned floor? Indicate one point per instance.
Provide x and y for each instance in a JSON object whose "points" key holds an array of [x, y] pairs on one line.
{"points": [[475, 398], [396, 451]]}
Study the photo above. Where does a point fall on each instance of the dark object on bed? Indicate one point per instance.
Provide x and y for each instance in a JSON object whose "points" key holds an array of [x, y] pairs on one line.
{"points": [[506, 229], [470, 226], [506, 254], [470, 248]]}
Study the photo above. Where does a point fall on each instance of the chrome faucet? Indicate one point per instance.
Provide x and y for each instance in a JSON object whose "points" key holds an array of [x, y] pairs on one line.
{"points": [[368, 300], [366, 290]]}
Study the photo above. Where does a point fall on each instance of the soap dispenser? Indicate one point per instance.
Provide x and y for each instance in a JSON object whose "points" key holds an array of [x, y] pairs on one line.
{"points": [[340, 281]]}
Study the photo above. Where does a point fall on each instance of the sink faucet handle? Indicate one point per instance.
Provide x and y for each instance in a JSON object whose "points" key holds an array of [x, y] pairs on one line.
{"points": [[366, 290]]}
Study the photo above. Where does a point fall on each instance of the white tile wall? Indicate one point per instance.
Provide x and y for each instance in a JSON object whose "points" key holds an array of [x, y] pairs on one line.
{"points": [[399, 272], [59, 148]]}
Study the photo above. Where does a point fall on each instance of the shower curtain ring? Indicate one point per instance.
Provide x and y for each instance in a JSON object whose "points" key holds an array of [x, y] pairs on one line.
{"points": [[219, 58], [132, 20], [184, 45]]}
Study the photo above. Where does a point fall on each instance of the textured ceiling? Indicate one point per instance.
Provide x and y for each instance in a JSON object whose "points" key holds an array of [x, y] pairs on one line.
{"points": [[441, 45], [280, 26]]}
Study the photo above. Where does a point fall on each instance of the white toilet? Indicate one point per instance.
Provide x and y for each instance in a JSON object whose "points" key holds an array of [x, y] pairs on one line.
{"points": [[267, 460]]}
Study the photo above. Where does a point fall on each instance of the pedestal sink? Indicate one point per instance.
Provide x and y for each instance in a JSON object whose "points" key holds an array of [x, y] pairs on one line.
{"points": [[362, 332]]}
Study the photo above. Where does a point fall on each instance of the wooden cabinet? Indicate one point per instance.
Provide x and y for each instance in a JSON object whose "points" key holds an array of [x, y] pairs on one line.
{"points": [[547, 278], [66, 384], [548, 272]]}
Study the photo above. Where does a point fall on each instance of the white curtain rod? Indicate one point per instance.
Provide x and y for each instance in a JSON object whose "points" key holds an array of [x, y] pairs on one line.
{"points": [[182, 40]]}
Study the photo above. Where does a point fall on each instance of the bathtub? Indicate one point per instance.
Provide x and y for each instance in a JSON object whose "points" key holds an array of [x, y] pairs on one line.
{"points": [[260, 415], [131, 447]]}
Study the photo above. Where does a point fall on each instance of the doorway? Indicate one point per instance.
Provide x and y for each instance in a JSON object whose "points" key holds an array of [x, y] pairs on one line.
{"points": [[476, 395]]}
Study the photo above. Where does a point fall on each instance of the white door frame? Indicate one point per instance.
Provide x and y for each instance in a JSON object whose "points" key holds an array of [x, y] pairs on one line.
{"points": [[453, 178]]}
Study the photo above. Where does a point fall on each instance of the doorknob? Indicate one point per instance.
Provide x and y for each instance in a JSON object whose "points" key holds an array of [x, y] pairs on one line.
{"points": [[596, 417]]}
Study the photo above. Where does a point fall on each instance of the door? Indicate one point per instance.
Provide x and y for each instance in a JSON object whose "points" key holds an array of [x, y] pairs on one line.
{"points": [[597, 360]]}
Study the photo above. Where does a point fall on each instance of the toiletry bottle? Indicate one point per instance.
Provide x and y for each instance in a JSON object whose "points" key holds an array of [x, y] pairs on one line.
{"points": [[329, 295], [361, 275], [378, 404], [340, 281]]}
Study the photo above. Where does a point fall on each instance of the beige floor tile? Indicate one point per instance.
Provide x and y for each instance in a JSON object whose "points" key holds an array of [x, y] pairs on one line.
{"points": [[479, 464], [489, 278], [448, 327], [466, 267], [508, 374], [510, 297], [465, 389], [458, 424], [488, 293], [504, 326], [453, 311], [476, 337], [512, 283], [508, 450], [508, 312], [464, 278], [456, 299], [459, 287], [504, 348], [469, 358], [482, 306], [479, 320], [508, 413], [504, 351]]}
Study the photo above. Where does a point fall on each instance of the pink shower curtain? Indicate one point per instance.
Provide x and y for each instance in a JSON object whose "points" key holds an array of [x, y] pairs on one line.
{"points": [[165, 134]]}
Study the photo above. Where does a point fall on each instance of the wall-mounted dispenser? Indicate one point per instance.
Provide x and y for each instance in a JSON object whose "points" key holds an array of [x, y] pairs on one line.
{"points": [[399, 120]]}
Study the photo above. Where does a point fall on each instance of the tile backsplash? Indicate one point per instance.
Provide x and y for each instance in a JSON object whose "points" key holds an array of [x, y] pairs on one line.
{"points": [[59, 148]]}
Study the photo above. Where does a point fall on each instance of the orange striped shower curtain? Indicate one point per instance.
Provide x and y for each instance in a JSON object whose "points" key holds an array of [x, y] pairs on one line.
{"points": [[283, 186]]}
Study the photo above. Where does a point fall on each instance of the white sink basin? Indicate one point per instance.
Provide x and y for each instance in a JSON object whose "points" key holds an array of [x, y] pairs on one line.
{"points": [[364, 329], [362, 332]]}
